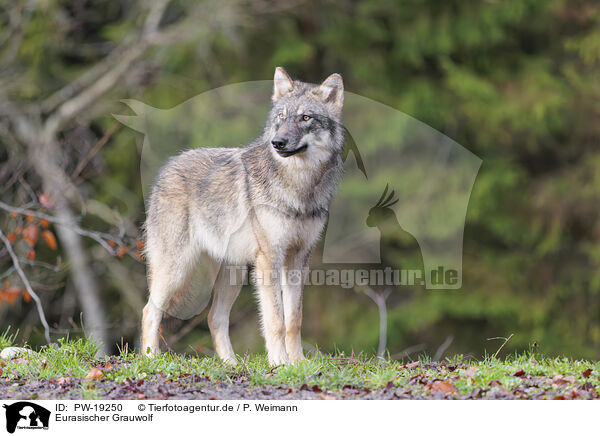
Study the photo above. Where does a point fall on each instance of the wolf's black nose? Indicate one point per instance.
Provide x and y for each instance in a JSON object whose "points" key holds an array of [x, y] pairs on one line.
{"points": [[279, 143]]}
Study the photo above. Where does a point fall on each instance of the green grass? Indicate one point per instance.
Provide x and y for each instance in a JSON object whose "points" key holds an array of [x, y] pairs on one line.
{"points": [[7, 338], [74, 358]]}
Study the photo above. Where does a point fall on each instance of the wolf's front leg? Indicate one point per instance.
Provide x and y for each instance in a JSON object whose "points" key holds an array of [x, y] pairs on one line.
{"points": [[292, 285], [271, 309]]}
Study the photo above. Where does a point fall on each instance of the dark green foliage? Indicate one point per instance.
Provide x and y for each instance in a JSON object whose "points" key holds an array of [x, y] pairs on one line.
{"points": [[515, 82]]}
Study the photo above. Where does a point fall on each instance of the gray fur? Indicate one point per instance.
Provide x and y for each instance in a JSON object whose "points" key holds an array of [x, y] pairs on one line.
{"points": [[211, 206]]}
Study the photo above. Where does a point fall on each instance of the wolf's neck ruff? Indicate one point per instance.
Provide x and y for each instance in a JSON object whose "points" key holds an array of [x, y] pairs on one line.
{"points": [[265, 204]]}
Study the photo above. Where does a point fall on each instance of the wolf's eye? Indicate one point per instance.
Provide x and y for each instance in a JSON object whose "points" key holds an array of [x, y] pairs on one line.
{"points": [[306, 117], [281, 117]]}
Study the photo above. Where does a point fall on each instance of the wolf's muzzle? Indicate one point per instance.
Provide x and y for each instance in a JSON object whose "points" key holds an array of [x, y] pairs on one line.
{"points": [[288, 153], [281, 142]]}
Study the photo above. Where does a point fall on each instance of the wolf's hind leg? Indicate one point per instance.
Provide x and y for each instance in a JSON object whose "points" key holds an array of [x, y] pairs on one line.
{"points": [[166, 281], [227, 288]]}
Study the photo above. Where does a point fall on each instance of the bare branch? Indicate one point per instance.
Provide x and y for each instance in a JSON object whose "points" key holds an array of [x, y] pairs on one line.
{"points": [[95, 150], [67, 110], [27, 285], [380, 300], [501, 346], [100, 237], [442, 348]]}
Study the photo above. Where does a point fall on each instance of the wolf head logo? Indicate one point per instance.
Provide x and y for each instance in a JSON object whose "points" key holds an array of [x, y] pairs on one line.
{"points": [[26, 414]]}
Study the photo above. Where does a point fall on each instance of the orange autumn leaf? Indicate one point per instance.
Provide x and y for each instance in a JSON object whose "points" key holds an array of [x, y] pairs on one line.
{"points": [[14, 214], [44, 223], [31, 254], [122, 251], [444, 387], [29, 218], [11, 294], [30, 234], [49, 239], [12, 237], [111, 243], [94, 374], [26, 296]]}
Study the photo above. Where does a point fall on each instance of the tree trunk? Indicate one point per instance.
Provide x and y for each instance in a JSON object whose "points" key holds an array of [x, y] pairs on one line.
{"points": [[44, 157]]}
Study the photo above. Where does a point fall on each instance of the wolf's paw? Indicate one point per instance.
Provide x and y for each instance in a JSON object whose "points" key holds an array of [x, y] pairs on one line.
{"points": [[297, 359], [230, 360], [278, 359]]}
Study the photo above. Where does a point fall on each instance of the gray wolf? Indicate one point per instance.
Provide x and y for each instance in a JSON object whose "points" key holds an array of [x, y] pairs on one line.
{"points": [[263, 205]]}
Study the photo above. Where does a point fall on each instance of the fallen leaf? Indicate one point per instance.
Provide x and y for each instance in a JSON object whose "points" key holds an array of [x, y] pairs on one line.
{"points": [[94, 374], [587, 373], [350, 389], [519, 373], [411, 365], [443, 386], [559, 380], [327, 397], [495, 383], [63, 380], [471, 370]]}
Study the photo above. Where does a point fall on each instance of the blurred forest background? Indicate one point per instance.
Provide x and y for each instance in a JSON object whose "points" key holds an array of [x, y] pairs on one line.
{"points": [[514, 81]]}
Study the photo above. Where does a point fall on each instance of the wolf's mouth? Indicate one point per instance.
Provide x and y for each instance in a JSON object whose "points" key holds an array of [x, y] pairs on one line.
{"points": [[288, 153]]}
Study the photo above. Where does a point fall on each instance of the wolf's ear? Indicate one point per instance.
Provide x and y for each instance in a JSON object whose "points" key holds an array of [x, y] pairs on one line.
{"points": [[331, 92], [283, 84]]}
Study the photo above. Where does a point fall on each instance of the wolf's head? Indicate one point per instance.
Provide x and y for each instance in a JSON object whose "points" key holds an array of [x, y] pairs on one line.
{"points": [[305, 120]]}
